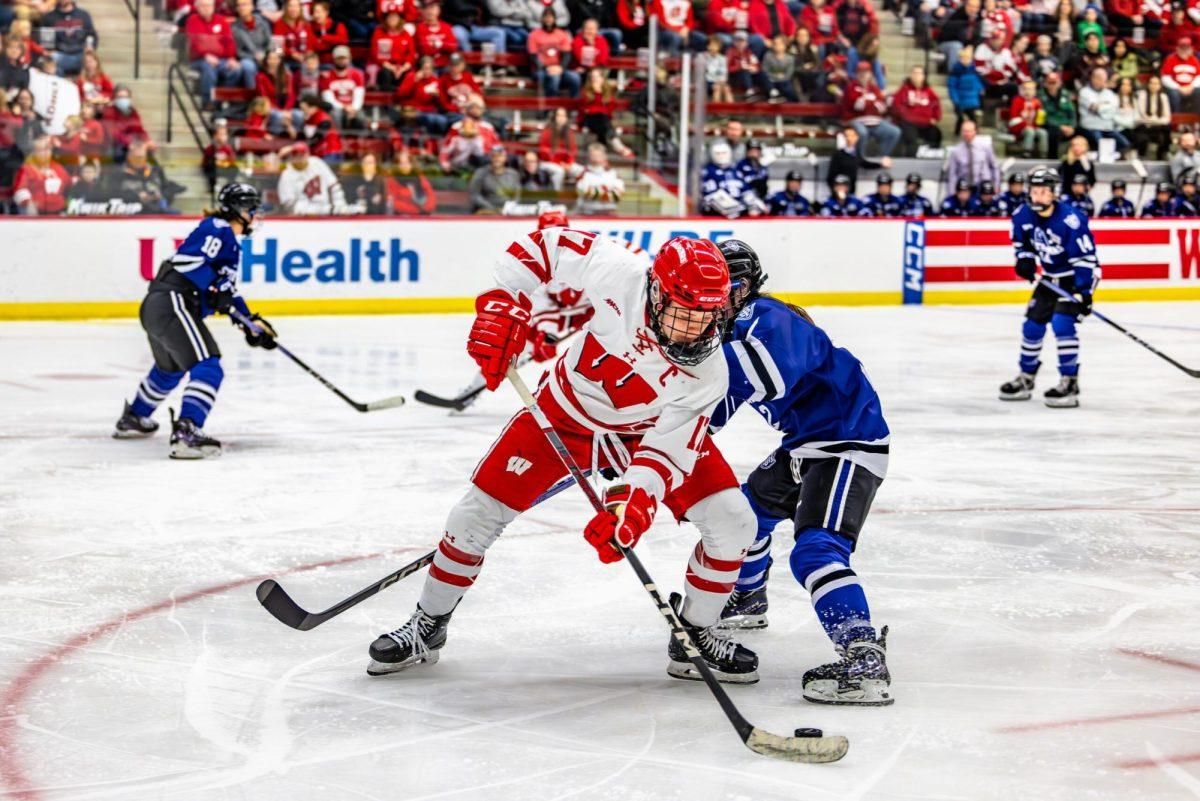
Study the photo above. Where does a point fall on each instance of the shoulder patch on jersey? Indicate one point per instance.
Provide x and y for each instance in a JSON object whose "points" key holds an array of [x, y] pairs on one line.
{"points": [[1072, 220], [219, 223], [747, 312]]}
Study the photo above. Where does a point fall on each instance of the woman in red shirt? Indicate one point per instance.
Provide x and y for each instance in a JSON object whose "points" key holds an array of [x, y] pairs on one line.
{"points": [[327, 33], [634, 23], [409, 189], [296, 33], [420, 91], [676, 25], [320, 132], [94, 86], [597, 103], [274, 84], [557, 147], [41, 183], [392, 53]]}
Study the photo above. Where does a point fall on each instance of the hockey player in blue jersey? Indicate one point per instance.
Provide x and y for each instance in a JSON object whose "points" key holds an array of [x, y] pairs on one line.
{"points": [[1160, 204], [962, 203], [1187, 202], [841, 203], [1118, 205], [1078, 195], [912, 202], [823, 477], [751, 170], [197, 281], [788, 202], [1015, 197], [723, 192], [986, 201], [882, 203], [1056, 236]]}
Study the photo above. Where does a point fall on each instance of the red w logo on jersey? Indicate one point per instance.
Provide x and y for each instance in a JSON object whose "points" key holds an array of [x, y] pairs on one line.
{"points": [[312, 189]]}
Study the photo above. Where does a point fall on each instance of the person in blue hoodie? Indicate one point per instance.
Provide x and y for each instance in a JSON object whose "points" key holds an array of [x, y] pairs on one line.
{"points": [[965, 87]]}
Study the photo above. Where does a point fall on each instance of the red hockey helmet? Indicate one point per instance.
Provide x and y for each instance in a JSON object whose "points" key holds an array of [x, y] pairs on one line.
{"points": [[688, 298], [553, 219]]}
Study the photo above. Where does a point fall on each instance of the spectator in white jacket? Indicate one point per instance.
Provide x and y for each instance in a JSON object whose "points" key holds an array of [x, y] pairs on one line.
{"points": [[308, 188], [599, 188], [1098, 106], [517, 18]]}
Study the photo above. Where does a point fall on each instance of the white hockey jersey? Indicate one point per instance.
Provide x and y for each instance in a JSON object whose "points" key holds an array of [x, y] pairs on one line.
{"points": [[312, 191], [559, 310], [614, 378]]}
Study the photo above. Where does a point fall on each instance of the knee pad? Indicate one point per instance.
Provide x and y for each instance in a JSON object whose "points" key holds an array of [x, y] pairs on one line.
{"points": [[208, 372], [1032, 330], [1063, 325], [727, 523], [815, 548], [477, 520]]}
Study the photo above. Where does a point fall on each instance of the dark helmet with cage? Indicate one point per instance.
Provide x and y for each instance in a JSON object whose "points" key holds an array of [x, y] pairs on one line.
{"points": [[688, 299], [913, 182], [1043, 176], [553, 219], [746, 276], [239, 202]]}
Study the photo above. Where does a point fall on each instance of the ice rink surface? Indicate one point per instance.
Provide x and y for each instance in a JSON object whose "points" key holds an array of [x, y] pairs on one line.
{"points": [[1039, 569]]}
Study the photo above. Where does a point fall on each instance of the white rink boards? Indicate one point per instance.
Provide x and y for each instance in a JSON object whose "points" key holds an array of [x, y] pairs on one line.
{"points": [[1039, 569]]}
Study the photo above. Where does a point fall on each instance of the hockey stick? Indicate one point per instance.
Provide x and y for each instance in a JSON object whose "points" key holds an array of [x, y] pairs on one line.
{"points": [[373, 406], [275, 599], [1056, 288], [792, 749], [475, 388]]}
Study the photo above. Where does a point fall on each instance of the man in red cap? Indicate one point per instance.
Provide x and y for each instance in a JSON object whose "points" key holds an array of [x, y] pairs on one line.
{"points": [[1179, 74]]}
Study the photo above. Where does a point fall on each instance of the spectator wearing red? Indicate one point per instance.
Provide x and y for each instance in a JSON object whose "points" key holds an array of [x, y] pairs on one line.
{"points": [[409, 10], [744, 67], [727, 17], [1180, 73], [433, 37], [41, 184], [122, 124], [918, 110], [466, 145], [327, 33], [276, 86], [1179, 24], [473, 120], [68, 146], [597, 104], [855, 19], [94, 86], [218, 160], [343, 89], [411, 192], [558, 148], [819, 19], [392, 53], [456, 85], [93, 139], [994, 17], [212, 51], [634, 22], [420, 91], [548, 47], [32, 52], [589, 49], [295, 30], [1128, 15], [320, 132], [257, 125], [1001, 70], [1023, 115], [676, 25], [865, 108], [780, 21]]}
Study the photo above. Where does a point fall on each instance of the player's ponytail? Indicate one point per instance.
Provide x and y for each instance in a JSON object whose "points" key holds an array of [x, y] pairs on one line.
{"points": [[796, 309]]}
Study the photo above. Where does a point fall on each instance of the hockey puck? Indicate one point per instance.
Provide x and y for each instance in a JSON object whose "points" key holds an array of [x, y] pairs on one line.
{"points": [[809, 733]]}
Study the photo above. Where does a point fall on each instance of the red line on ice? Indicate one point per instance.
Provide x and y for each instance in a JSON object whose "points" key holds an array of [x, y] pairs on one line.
{"points": [[1133, 764], [1166, 660], [12, 772], [1061, 724]]}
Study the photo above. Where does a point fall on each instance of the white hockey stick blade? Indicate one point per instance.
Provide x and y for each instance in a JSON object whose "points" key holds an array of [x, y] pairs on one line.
{"points": [[386, 403], [798, 749]]}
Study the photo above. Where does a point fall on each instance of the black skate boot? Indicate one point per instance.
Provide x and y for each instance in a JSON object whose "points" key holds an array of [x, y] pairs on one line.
{"points": [[1065, 395], [1020, 388], [190, 442], [745, 610], [130, 426], [730, 662], [859, 678], [420, 640]]}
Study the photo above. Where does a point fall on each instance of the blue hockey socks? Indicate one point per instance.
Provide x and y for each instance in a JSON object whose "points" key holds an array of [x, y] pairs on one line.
{"points": [[1032, 335], [1068, 344], [155, 387], [201, 391], [821, 562]]}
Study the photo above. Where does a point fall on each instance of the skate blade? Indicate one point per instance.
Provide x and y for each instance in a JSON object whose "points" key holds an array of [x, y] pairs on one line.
{"points": [[1020, 397], [871, 692], [119, 434], [687, 671], [206, 452], [1063, 403], [744, 622], [377, 668]]}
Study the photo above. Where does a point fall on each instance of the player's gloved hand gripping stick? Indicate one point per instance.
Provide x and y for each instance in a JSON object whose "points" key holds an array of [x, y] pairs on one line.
{"points": [[1194, 373], [792, 749], [267, 340]]}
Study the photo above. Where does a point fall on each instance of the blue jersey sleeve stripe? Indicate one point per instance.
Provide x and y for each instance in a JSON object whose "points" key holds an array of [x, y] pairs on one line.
{"points": [[761, 356]]}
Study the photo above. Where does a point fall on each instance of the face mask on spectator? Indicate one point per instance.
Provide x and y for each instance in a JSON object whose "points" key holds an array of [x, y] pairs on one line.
{"points": [[123, 104]]}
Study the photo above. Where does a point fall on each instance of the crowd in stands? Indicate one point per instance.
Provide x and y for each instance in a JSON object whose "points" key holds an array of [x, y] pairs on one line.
{"points": [[97, 161]]}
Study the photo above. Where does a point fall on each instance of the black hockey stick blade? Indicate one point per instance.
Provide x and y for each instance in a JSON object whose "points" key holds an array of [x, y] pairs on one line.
{"points": [[281, 606], [457, 404]]}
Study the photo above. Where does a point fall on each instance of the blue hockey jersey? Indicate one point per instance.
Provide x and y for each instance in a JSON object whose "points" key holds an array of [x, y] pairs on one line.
{"points": [[1155, 209], [210, 257], [915, 205], [1184, 206], [1117, 207], [1082, 202], [877, 205], [752, 174], [816, 394], [832, 208], [1062, 243], [1009, 202], [716, 179], [952, 207], [785, 204]]}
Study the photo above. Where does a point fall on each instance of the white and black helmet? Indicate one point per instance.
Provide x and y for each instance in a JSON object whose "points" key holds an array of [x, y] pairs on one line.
{"points": [[1043, 176]]}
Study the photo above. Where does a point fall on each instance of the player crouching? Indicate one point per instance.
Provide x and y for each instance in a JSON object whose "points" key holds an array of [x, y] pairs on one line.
{"points": [[197, 281], [633, 393]]}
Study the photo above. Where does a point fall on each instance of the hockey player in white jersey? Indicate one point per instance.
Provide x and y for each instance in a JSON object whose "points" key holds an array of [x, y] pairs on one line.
{"points": [[634, 392], [308, 187]]}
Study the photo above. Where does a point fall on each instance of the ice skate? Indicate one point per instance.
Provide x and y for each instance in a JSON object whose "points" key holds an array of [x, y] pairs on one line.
{"points": [[130, 426], [418, 641], [1020, 388], [859, 678], [745, 610], [188, 441], [730, 662], [1065, 395]]}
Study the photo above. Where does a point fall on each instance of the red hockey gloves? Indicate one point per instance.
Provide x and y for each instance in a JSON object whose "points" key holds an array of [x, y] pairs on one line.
{"points": [[543, 347], [626, 516], [499, 333]]}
